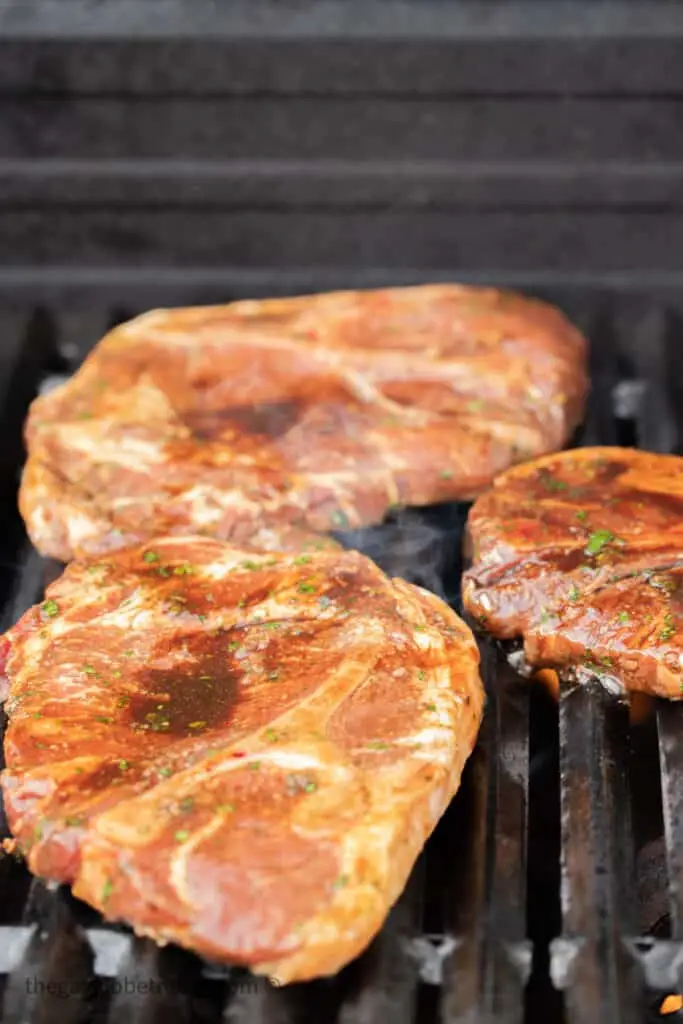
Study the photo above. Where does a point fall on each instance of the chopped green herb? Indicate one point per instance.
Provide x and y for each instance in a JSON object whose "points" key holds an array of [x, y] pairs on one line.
{"points": [[124, 765], [551, 484], [225, 808], [116, 674], [271, 735], [582, 515], [378, 745], [150, 556], [446, 474], [419, 628], [574, 593], [128, 654], [299, 783], [431, 707], [421, 675], [104, 719], [181, 835], [165, 772], [302, 560], [254, 766], [306, 588], [106, 890], [669, 629], [183, 570], [50, 608], [340, 882], [598, 540], [339, 518], [186, 804], [476, 405], [73, 822], [250, 565], [667, 584], [90, 670], [163, 571], [623, 617]]}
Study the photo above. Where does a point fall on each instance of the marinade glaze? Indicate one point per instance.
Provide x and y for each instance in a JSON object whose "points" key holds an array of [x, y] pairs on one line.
{"points": [[581, 554], [240, 753], [261, 422]]}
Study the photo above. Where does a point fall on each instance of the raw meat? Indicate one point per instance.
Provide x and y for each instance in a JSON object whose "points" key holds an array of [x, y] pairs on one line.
{"points": [[581, 554], [261, 421], [240, 754]]}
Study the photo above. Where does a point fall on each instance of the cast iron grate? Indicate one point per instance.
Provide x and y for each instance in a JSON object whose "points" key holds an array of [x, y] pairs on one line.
{"points": [[495, 927]]}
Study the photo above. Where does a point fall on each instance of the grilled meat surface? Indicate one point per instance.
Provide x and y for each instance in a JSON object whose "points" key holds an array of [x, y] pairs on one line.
{"points": [[260, 421], [581, 554], [240, 754]]}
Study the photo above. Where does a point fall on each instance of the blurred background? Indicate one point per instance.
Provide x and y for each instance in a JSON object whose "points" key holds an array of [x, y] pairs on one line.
{"points": [[161, 151]]}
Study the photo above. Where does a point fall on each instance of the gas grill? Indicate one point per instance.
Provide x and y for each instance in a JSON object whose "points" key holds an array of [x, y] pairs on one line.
{"points": [[201, 155]]}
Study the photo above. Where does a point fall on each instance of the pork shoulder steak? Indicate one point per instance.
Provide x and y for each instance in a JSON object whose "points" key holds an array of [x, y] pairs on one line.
{"points": [[581, 554], [243, 756], [259, 421]]}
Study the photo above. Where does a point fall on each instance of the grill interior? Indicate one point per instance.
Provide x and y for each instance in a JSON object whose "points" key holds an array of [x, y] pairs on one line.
{"points": [[551, 890]]}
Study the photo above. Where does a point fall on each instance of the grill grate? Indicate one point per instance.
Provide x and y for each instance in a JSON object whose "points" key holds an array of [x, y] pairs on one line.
{"points": [[490, 928]]}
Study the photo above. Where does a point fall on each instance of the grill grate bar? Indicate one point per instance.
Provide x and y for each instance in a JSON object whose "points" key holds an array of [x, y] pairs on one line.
{"points": [[670, 725], [388, 971], [490, 965], [590, 960]]}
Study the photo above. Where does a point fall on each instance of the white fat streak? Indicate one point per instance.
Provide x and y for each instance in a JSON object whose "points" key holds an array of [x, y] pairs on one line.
{"points": [[230, 562], [136, 453], [81, 527], [136, 614], [179, 866], [289, 760], [424, 640], [432, 744], [208, 503], [293, 760]]}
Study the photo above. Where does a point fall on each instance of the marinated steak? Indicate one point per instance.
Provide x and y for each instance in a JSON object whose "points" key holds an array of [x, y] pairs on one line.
{"points": [[241, 755], [581, 554], [260, 421]]}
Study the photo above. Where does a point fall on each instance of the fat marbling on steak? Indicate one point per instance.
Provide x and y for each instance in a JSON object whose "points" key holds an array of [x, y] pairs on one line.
{"points": [[240, 754], [260, 421], [581, 554]]}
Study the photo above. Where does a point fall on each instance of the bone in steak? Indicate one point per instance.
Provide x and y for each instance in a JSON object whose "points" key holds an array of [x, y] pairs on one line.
{"points": [[581, 553], [240, 754], [259, 421]]}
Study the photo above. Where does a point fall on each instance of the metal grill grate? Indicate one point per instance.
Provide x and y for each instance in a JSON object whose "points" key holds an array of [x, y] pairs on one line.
{"points": [[542, 825]]}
